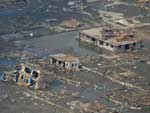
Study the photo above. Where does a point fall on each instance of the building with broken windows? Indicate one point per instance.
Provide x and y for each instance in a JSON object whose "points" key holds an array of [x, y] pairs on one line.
{"points": [[65, 61], [24, 76], [111, 39]]}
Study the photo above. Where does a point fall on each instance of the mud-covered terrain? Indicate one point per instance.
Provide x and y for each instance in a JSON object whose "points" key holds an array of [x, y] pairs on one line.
{"points": [[31, 30]]}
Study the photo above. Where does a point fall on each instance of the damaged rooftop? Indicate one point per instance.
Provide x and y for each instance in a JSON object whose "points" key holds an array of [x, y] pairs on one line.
{"points": [[63, 57]]}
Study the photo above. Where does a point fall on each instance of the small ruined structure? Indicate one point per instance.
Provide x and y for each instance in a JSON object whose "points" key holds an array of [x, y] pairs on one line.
{"points": [[111, 39], [65, 61], [24, 76]]}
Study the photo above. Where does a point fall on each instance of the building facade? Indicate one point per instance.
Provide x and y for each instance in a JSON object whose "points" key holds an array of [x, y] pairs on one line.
{"points": [[111, 39], [65, 61]]}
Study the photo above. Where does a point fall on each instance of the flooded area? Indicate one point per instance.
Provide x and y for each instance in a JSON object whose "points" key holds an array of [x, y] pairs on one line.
{"points": [[60, 43], [32, 31]]}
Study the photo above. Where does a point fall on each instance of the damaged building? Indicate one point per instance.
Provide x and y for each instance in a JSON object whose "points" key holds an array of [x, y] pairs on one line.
{"points": [[115, 40], [24, 76], [65, 61]]}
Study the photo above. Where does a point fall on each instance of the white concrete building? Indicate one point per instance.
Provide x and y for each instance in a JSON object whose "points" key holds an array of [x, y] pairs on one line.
{"points": [[65, 61], [111, 39]]}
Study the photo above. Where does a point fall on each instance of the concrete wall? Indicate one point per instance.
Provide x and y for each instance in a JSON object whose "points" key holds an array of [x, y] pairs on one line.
{"points": [[108, 46], [67, 65], [86, 38]]}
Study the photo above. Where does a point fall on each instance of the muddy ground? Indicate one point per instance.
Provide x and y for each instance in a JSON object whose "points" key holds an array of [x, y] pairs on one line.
{"points": [[27, 34]]}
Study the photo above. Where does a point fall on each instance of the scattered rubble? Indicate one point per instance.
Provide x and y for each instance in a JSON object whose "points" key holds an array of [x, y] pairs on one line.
{"points": [[144, 4], [87, 90], [115, 19], [94, 107], [130, 98]]}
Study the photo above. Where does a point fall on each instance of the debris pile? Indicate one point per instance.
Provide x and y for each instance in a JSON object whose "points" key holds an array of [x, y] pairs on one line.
{"points": [[127, 75], [130, 98], [70, 24], [94, 107], [144, 4], [116, 19]]}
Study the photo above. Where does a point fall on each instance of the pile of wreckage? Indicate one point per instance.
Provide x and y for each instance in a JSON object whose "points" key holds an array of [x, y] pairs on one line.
{"points": [[127, 75], [94, 107], [70, 24], [133, 99], [144, 4]]}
